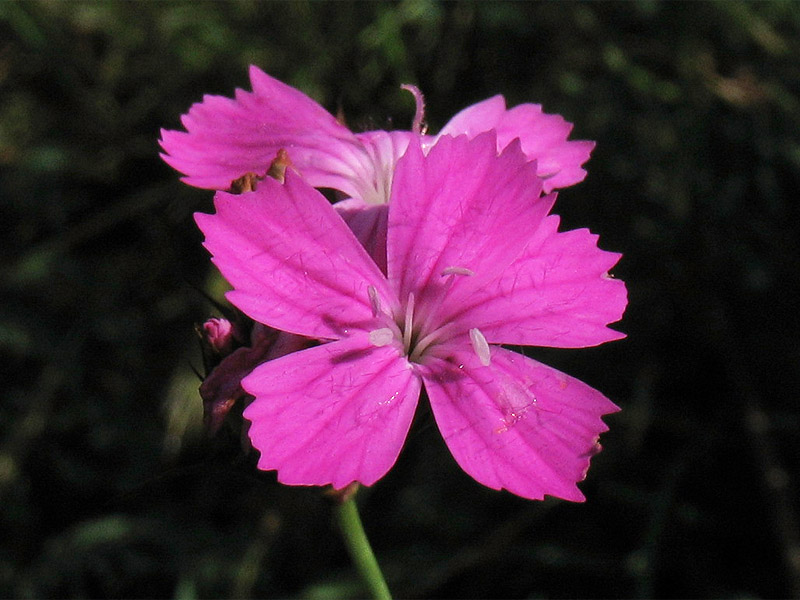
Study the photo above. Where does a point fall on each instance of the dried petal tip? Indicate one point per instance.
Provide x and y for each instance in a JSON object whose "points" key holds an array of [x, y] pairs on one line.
{"points": [[246, 183], [277, 169], [419, 114]]}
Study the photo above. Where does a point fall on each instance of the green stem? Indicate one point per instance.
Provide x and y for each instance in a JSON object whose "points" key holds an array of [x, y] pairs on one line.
{"points": [[360, 551]]}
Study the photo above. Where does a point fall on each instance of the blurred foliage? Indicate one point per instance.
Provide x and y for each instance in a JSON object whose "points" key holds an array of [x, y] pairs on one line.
{"points": [[107, 487]]}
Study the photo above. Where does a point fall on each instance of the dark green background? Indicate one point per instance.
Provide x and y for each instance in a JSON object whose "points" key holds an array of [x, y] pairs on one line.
{"points": [[107, 487]]}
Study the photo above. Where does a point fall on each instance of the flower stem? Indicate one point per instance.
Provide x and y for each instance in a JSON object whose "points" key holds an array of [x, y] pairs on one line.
{"points": [[360, 551]]}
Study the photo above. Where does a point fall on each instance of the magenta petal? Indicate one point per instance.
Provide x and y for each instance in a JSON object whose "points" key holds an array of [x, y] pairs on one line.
{"points": [[557, 293], [374, 175], [477, 118], [226, 138], [333, 414], [517, 424], [292, 261], [368, 222], [543, 137], [460, 206]]}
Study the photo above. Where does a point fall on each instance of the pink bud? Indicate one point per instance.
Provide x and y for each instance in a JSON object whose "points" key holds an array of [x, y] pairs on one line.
{"points": [[218, 334]]}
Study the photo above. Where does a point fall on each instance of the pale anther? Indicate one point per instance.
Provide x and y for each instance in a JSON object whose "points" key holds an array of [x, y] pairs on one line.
{"points": [[381, 337], [458, 271], [481, 346]]}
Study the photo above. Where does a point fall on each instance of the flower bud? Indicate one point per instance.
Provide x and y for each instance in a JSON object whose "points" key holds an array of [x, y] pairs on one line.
{"points": [[217, 334]]}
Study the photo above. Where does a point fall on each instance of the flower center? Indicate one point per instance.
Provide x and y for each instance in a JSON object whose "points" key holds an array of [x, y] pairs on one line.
{"points": [[417, 328]]}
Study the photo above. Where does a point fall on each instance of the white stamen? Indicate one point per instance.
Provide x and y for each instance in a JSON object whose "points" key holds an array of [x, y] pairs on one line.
{"points": [[408, 322], [481, 346], [458, 271], [381, 337], [374, 300]]}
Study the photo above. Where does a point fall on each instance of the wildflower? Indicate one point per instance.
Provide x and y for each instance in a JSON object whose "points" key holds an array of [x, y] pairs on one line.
{"points": [[472, 262], [225, 139]]}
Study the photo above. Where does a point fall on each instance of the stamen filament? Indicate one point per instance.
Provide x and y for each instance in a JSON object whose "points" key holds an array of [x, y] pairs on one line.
{"points": [[374, 300], [450, 273], [429, 340], [409, 322]]}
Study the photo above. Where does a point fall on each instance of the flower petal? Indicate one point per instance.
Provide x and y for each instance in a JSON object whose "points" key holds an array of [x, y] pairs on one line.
{"points": [[292, 261], [516, 424], [543, 137], [374, 176], [460, 206], [557, 293], [477, 118], [226, 138], [368, 222], [333, 414]]}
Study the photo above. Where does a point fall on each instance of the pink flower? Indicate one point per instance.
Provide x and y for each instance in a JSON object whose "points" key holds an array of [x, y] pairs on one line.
{"points": [[228, 138], [473, 261]]}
